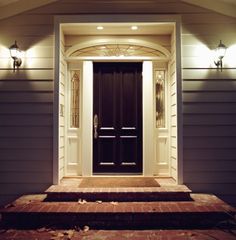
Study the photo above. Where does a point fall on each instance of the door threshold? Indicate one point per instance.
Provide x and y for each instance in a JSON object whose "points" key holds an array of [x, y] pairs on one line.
{"points": [[118, 175]]}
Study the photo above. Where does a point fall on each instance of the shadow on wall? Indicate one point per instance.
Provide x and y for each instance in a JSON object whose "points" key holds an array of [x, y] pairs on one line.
{"points": [[26, 126], [201, 34], [28, 30], [208, 29], [26, 106], [209, 117], [209, 106]]}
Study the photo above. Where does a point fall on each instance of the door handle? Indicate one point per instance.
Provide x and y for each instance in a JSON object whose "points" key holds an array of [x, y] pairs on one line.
{"points": [[95, 126]]}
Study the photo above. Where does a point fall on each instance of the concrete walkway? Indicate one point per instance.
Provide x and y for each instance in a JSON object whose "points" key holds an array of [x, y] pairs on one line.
{"points": [[86, 234]]}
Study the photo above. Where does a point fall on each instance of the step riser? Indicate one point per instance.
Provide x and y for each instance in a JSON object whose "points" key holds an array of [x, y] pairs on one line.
{"points": [[115, 220], [119, 196]]}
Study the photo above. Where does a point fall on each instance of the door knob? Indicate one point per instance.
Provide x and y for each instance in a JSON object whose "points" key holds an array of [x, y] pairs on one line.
{"points": [[95, 126]]}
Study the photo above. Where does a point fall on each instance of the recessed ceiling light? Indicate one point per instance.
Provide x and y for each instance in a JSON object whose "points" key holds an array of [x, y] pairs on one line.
{"points": [[134, 27], [99, 27]]}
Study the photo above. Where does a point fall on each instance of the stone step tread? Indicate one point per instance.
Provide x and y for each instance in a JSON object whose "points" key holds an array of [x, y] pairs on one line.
{"points": [[201, 203], [76, 189], [69, 193]]}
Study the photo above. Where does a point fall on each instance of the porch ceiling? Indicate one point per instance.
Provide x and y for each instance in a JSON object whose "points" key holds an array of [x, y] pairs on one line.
{"points": [[10, 8], [118, 29]]}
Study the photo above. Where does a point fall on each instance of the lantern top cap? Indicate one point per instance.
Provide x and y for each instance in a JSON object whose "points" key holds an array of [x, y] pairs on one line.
{"points": [[14, 46], [221, 45]]}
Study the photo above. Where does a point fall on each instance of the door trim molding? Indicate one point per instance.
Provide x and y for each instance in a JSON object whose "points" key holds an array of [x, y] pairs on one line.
{"points": [[97, 18], [87, 118], [148, 119]]}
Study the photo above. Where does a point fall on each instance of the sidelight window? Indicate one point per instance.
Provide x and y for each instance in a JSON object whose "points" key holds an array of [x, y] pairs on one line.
{"points": [[74, 100], [159, 76]]}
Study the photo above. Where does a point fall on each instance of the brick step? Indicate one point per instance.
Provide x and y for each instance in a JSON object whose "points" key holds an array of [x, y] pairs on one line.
{"points": [[163, 193], [205, 211]]}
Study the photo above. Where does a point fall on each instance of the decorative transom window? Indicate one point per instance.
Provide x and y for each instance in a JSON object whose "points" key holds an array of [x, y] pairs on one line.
{"points": [[117, 50]]}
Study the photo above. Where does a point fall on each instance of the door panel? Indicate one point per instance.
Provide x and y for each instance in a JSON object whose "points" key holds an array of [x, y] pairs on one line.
{"points": [[118, 104], [106, 102], [129, 150], [106, 148], [128, 104]]}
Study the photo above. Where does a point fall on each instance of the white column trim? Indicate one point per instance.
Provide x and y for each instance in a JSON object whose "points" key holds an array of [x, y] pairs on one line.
{"points": [[87, 118], [180, 171], [148, 119]]}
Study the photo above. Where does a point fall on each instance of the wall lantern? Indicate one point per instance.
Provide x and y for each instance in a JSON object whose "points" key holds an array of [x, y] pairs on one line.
{"points": [[220, 53], [15, 54]]}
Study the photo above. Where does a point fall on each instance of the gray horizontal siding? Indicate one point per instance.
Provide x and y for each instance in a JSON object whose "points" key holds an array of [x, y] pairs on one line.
{"points": [[26, 86], [210, 97], [218, 166], [206, 131], [6, 189], [209, 154], [26, 143], [209, 106], [25, 154], [26, 97], [209, 114], [25, 177], [26, 107], [209, 142]]}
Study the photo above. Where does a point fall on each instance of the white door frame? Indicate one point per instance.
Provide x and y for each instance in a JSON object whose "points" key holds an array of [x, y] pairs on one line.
{"points": [[58, 20], [147, 115]]}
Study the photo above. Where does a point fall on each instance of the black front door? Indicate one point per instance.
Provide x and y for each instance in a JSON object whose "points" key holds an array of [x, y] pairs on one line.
{"points": [[117, 122]]}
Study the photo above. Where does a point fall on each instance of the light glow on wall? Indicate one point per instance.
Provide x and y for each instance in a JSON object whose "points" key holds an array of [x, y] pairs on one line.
{"points": [[205, 56], [31, 56], [5, 57], [31, 53], [230, 57]]}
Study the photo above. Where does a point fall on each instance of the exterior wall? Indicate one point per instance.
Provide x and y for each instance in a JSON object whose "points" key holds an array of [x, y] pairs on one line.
{"points": [[26, 98], [209, 105], [26, 107]]}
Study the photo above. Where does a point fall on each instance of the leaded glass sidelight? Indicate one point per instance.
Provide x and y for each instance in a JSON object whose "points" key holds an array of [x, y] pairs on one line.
{"points": [[74, 102], [160, 98]]}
